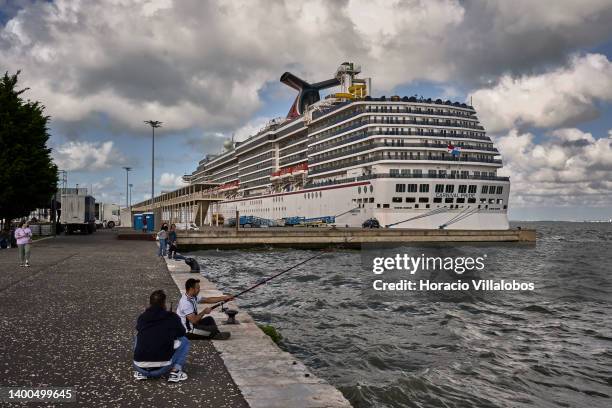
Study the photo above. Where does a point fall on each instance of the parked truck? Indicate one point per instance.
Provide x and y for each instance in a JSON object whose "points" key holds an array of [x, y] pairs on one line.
{"points": [[107, 215], [78, 213]]}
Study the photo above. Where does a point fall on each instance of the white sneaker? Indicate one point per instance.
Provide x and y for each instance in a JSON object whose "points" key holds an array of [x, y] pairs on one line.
{"points": [[176, 376], [27, 264], [139, 376]]}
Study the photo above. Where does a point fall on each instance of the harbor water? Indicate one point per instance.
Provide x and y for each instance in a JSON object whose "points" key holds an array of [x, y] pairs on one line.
{"points": [[548, 347]]}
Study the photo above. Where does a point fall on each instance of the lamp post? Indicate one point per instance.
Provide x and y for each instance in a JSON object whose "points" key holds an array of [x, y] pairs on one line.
{"points": [[130, 194], [154, 124], [127, 183]]}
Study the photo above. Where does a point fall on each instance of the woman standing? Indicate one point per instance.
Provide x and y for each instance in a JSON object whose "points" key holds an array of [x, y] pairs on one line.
{"points": [[162, 236], [23, 235]]}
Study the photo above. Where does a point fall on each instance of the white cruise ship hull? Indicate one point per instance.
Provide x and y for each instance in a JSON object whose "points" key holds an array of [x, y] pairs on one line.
{"points": [[353, 203]]}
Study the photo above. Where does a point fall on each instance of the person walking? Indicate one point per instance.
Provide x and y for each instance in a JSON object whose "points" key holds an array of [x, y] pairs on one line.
{"points": [[144, 223], [23, 235], [162, 236], [172, 242]]}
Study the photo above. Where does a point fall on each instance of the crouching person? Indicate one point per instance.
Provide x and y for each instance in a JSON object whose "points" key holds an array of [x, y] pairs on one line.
{"points": [[161, 346]]}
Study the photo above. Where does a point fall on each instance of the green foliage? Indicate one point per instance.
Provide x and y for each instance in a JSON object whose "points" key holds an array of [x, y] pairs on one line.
{"points": [[271, 332], [28, 176]]}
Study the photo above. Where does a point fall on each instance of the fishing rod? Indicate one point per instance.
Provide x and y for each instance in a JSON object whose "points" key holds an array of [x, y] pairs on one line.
{"points": [[269, 279]]}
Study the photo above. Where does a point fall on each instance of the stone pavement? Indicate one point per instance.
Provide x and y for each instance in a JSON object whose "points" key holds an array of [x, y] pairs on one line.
{"points": [[68, 321]]}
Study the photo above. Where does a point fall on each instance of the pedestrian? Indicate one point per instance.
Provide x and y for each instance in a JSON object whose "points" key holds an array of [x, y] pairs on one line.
{"points": [[162, 237], [5, 238], [23, 235], [144, 223], [172, 242], [161, 346]]}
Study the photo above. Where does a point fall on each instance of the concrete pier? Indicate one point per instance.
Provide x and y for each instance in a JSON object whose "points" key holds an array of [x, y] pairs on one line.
{"points": [[351, 237], [69, 321], [267, 376]]}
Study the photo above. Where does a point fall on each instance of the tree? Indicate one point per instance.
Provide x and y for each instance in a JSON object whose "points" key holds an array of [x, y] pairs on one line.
{"points": [[28, 176]]}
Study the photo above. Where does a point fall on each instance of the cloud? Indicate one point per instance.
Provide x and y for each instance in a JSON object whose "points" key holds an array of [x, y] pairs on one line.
{"points": [[203, 64], [561, 97], [570, 167], [87, 156], [170, 181]]}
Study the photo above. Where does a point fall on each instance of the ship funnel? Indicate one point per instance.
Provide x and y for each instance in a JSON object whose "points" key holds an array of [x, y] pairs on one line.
{"points": [[307, 93]]}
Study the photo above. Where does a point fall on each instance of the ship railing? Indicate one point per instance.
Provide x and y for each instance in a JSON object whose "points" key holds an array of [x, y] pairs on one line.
{"points": [[393, 158], [398, 132], [403, 176], [372, 146]]}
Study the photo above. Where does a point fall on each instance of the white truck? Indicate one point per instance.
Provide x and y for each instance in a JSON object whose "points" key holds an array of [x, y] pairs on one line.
{"points": [[107, 215], [78, 213]]}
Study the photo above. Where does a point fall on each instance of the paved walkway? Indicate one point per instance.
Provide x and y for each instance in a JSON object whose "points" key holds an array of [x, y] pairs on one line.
{"points": [[69, 321]]}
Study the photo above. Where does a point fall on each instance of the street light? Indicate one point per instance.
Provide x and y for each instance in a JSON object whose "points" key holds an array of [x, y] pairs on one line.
{"points": [[127, 183], [131, 185], [154, 124]]}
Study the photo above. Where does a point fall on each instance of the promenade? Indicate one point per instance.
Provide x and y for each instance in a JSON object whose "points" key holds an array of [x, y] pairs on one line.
{"points": [[69, 321]]}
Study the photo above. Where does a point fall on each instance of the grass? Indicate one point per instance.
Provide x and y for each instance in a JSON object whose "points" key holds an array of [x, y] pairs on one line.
{"points": [[271, 332]]}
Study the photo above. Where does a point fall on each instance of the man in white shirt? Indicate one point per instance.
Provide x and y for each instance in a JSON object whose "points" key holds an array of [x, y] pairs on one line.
{"points": [[198, 325]]}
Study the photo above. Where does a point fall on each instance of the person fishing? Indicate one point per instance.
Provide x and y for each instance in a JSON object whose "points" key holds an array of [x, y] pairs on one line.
{"points": [[198, 325]]}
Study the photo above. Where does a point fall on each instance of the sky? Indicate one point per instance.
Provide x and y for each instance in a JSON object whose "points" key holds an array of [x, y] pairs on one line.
{"points": [[539, 74]]}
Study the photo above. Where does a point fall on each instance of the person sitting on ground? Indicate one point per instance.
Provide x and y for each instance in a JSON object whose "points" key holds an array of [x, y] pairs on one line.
{"points": [[198, 325], [161, 346]]}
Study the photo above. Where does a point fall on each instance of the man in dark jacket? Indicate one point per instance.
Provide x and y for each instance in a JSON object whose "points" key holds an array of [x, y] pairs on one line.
{"points": [[161, 345]]}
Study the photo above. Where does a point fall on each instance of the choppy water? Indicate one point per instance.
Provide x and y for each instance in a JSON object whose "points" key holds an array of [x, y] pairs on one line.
{"points": [[547, 348]]}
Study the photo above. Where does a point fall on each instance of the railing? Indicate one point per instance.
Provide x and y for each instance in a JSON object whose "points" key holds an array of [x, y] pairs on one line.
{"points": [[379, 158], [292, 158], [399, 132], [372, 146], [412, 176]]}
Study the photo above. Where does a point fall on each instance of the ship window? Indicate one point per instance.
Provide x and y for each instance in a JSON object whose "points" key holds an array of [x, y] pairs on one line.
{"points": [[359, 190], [377, 205], [423, 199], [400, 188], [371, 189], [450, 188], [500, 189], [499, 201], [412, 188], [439, 188], [448, 200], [432, 173], [410, 199], [491, 189], [485, 189], [426, 205], [483, 200], [416, 206], [437, 199], [385, 205], [396, 199], [424, 188], [371, 199], [460, 200], [491, 201], [462, 189], [472, 189], [471, 200]]}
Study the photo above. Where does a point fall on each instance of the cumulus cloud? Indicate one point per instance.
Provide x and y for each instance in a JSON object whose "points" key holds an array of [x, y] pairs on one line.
{"points": [[570, 167], [203, 64], [87, 156], [562, 97], [170, 181]]}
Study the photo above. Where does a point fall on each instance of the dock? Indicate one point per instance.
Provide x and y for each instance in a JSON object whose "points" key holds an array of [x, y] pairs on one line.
{"points": [[304, 237], [267, 376]]}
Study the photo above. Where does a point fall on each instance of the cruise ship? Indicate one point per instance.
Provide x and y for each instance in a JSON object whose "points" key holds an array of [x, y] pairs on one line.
{"points": [[406, 162]]}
